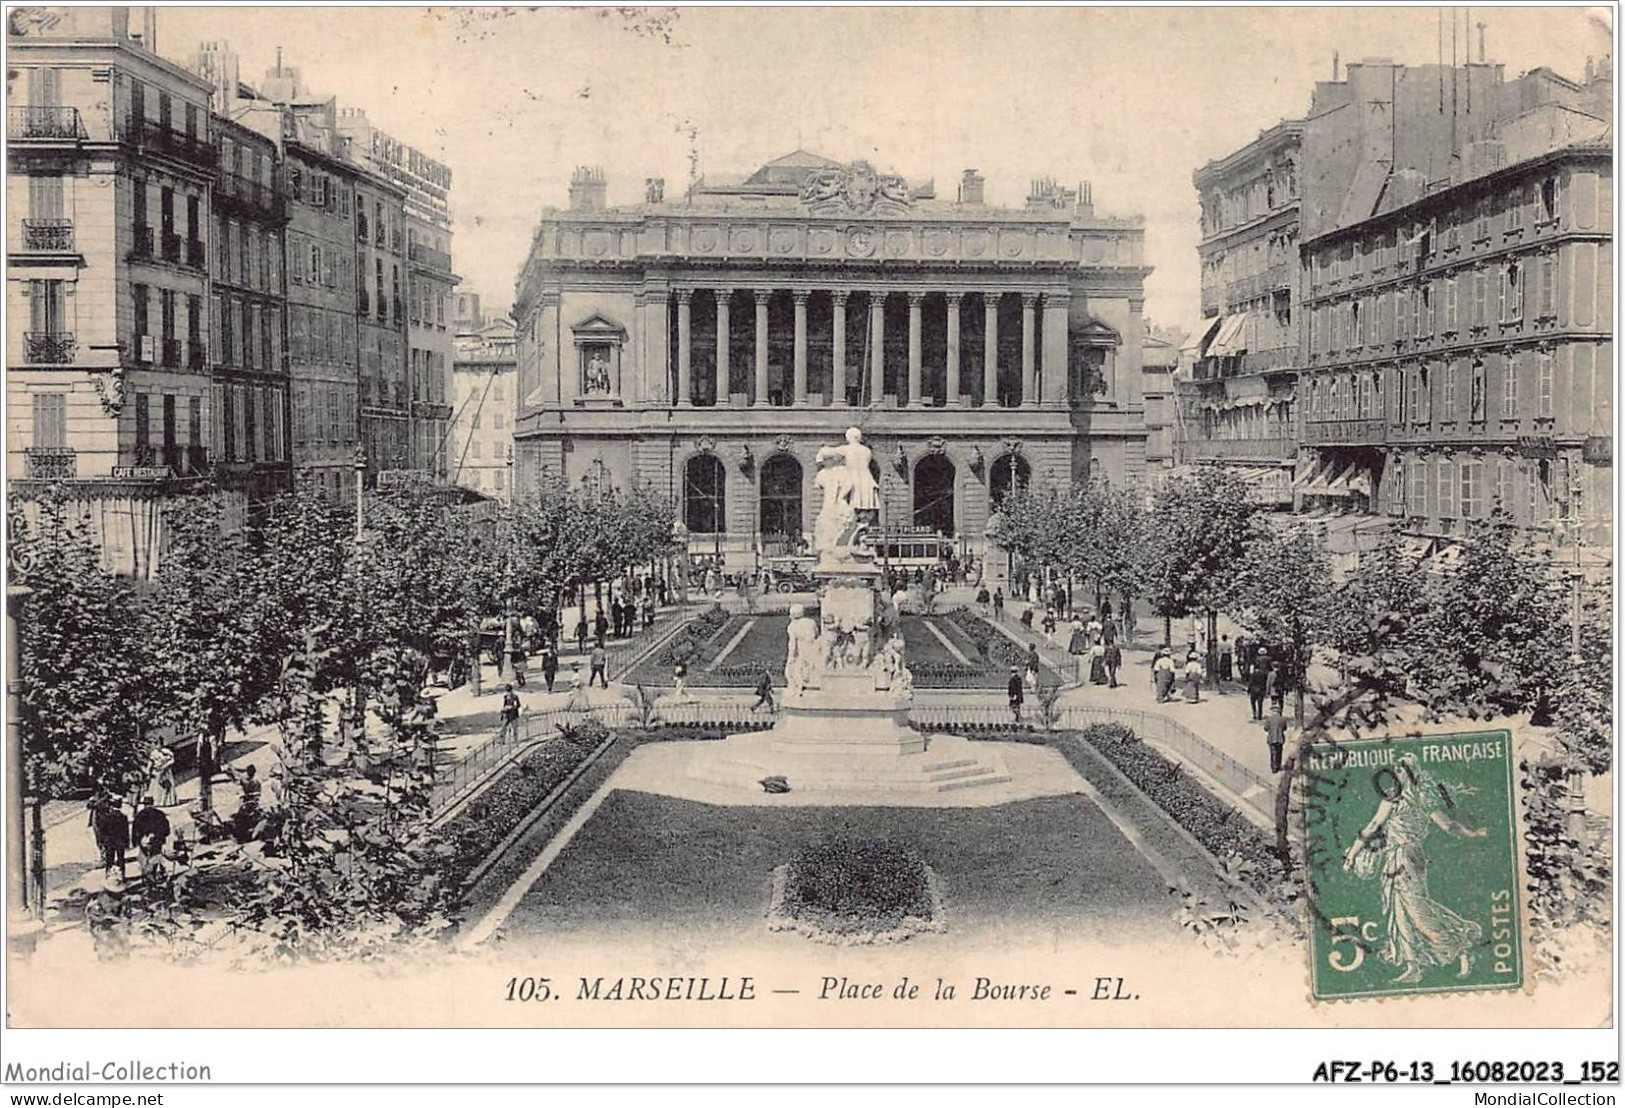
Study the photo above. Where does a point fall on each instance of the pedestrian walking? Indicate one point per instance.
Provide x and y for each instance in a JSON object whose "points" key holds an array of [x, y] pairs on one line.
{"points": [[581, 635], [510, 714], [1113, 661], [600, 626], [1275, 736], [161, 764], [517, 659], [679, 691], [1162, 675], [1193, 677], [998, 603], [1258, 683], [1033, 665], [982, 599], [1078, 641], [1097, 664], [1226, 659], [1096, 628], [1017, 697], [150, 831], [580, 700], [764, 691], [111, 829], [550, 665], [1277, 686], [600, 665], [1242, 657]]}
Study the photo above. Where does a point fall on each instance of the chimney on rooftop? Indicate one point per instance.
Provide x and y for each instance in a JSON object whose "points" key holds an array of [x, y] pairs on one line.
{"points": [[971, 188], [588, 189], [1086, 198]]}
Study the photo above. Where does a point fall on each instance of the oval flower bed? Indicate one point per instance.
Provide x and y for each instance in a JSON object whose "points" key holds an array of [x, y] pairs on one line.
{"points": [[847, 892]]}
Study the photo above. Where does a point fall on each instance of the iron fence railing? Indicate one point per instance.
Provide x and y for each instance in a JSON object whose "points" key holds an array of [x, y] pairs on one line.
{"points": [[44, 122]]}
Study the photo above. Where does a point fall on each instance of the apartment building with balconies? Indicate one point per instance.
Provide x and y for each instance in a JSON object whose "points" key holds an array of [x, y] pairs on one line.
{"points": [[429, 284], [249, 311], [1236, 408], [110, 171], [1457, 341]]}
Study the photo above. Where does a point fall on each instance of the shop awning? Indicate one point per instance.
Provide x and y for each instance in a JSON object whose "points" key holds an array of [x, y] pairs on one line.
{"points": [[1413, 547], [1308, 476], [1204, 330], [1230, 339]]}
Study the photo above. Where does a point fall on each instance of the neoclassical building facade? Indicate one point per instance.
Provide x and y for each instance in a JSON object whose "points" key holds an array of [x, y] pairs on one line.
{"points": [[707, 346]]}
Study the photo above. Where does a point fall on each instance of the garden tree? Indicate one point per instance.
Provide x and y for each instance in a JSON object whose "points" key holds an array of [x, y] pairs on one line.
{"points": [[1031, 526], [1284, 592], [1122, 544], [1584, 694], [1376, 624], [1494, 638], [411, 579], [349, 868], [86, 694], [304, 544], [1200, 530], [213, 642]]}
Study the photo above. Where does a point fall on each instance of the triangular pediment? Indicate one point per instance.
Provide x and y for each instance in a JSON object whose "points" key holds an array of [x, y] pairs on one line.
{"points": [[597, 324], [1098, 333]]}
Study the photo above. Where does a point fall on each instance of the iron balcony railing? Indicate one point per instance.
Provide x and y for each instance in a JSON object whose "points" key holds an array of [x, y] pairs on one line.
{"points": [[143, 242], [172, 247], [156, 137], [1272, 448], [172, 352], [196, 257], [197, 355], [44, 122], [429, 256], [1348, 432], [51, 463], [49, 347], [54, 235]]}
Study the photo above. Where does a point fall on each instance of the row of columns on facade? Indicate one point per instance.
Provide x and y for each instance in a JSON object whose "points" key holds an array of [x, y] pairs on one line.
{"points": [[1033, 307]]}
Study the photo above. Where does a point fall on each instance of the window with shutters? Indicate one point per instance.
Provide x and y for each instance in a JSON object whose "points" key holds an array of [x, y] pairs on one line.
{"points": [[313, 269], [194, 421], [45, 197], [1356, 324], [1450, 305], [1476, 412], [1509, 387], [50, 420], [216, 315], [1548, 287], [194, 320], [1419, 487], [328, 277], [1447, 488], [1424, 413], [1395, 479], [1546, 376], [228, 340], [1548, 199], [1512, 306], [1505, 476], [1514, 209], [1448, 399], [1483, 220], [1402, 314], [1481, 294], [140, 296], [166, 320], [1472, 488], [249, 257], [143, 425]]}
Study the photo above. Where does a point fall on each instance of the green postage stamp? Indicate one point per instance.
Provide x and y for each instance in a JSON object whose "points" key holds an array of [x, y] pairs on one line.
{"points": [[1411, 849]]}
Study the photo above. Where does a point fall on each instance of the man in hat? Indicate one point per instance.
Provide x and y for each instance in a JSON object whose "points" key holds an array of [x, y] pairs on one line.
{"points": [[150, 831], [1258, 682], [1275, 736], [1017, 696]]}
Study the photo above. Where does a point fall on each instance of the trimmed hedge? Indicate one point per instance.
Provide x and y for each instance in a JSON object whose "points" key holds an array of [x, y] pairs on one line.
{"points": [[1215, 824]]}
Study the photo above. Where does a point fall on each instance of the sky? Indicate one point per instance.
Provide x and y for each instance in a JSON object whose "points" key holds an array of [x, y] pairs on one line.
{"points": [[1131, 99]]}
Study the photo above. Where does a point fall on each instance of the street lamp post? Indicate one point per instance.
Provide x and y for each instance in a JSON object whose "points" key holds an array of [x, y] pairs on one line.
{"points": [[360, 465]]}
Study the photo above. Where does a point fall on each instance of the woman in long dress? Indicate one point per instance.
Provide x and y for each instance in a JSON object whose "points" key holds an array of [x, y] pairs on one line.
{"points": [[1421, 932]]}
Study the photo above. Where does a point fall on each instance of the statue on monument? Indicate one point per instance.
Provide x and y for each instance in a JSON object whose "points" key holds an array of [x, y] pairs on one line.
{"points": [[804, 660], [851, 497]]}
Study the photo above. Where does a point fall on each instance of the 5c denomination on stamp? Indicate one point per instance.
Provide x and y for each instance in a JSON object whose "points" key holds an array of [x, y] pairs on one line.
{"points": [[1411, 851]]}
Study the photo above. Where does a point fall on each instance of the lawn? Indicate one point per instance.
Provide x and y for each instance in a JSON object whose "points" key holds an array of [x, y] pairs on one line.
{"points": [[643, 862], [763, 645]]}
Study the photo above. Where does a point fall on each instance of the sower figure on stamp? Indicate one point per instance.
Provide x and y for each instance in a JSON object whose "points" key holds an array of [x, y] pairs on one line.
{"points": [[1420, 932]]}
